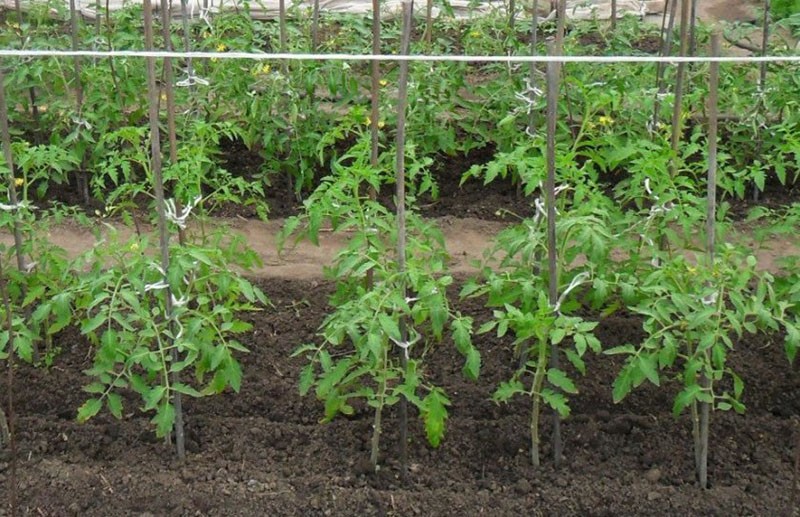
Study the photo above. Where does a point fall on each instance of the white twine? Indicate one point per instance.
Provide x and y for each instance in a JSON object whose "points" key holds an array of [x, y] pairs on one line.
{"points": [[405, 345], [179, 219], [192, 80], [285, 56], [19, 206], [576, 281]]}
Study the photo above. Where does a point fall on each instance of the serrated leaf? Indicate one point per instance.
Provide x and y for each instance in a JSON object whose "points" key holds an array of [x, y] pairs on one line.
{"points": [[560, 380], [556, 401], [685, 398], [648, 367], [89, 409], [114, 405], [472, 366], [506, 390], [164, 419], [434, 412]]}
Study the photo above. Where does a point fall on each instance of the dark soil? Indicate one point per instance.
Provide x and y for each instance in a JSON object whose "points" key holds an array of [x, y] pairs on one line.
{"points": [[263, 452]]}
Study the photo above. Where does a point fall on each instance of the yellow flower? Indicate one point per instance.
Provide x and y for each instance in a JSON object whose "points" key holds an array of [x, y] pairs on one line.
{"points": [[163, 97], [18, 182], [367, 122], [221, 47], [383, 82], [475, 34], [381, 124], [262, 70], [134, 246], [605, 120]]}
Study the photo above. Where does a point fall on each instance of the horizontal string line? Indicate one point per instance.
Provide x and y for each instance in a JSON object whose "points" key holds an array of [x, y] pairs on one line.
{"points": [[393, 57]]}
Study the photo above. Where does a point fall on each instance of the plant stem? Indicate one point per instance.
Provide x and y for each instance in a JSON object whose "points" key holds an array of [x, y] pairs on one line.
{"points": [[376, 425], [400, 180], [158, 188], [536, 390], [550, 203], [10, 420]]}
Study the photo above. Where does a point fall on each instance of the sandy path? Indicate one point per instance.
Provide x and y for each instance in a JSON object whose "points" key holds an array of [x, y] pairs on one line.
{"points": [[466, 240]]}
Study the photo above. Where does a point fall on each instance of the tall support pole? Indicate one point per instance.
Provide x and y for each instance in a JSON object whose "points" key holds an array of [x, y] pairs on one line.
{"points": [[400, 183], [553, 72], [158, 190]]}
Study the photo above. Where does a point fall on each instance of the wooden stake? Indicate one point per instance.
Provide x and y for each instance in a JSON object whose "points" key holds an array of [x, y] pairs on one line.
{"points": [[677, 108], [550, 203], [400, 181], [158, 189], [711, 217], [10, 421]]}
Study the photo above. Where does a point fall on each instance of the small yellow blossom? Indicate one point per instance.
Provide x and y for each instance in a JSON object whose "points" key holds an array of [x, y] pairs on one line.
{"points": [[605, 120], [381, 124], [367, 122], [383, 82], [134, 246], [163, 97], [221, 47], [475, 34], [18, 182], [262, 70]]}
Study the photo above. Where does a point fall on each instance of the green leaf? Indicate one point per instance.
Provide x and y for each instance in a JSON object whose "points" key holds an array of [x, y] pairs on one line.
{"points": [[472, 366], [186, 390], [306, 379], [560, 380], [434, 412], [685, 398], [164, 419], [89, 409], [623, 349], [648, 367], [557, 335], [556, 401], [153, 397], [114, 405], [506, 390]]}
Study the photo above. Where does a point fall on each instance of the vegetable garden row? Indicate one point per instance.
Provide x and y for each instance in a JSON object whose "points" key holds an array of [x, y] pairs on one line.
{"points": [[628, 171]]}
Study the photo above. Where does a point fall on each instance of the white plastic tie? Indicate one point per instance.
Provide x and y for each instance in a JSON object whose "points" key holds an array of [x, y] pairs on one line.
{"points": [[576, 281], [192, 80], [179, 219]]}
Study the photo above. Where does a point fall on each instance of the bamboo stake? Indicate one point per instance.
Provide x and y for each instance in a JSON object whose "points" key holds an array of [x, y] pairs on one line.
{"points": [[31, 89], [693, 29], [400, 182], [613, 16], [282, 27], [375, 87], [10, 421], [534, 39], [429, 22], [315, 26], [512, 14], [158, 188], [666, 49], [762, 85], [677, 106], [169, 79], [9, 157], [713, 109], [81, 178], [550, 203]]}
